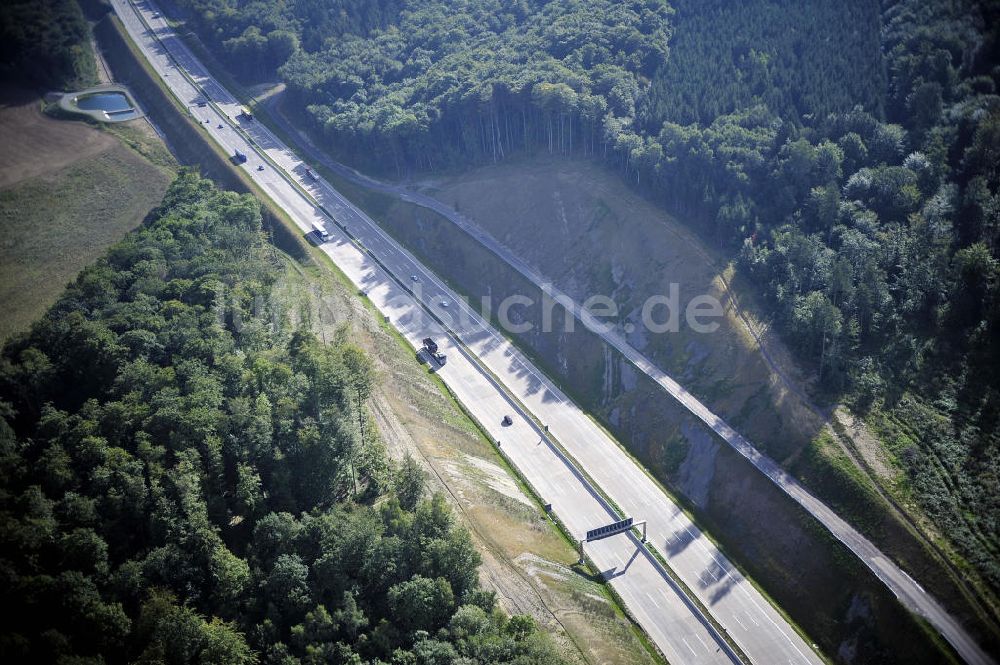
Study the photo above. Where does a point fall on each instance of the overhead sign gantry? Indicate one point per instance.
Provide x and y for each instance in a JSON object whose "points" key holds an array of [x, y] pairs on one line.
{"points": [[608, 530]]}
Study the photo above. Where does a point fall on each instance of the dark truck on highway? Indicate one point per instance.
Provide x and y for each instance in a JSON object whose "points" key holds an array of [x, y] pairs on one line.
{"points": [[431, 347]]}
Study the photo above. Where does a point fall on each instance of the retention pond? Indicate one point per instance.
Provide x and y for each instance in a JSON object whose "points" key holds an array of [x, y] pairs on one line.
{"points": [[107, 104]]}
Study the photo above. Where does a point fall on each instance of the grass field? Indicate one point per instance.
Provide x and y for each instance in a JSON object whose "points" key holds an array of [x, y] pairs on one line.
{"points": [[67, 191]]}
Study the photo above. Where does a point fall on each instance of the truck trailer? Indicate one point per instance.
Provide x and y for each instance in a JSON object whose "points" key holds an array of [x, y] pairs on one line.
{"points": [[321, 232], [431, 348]]}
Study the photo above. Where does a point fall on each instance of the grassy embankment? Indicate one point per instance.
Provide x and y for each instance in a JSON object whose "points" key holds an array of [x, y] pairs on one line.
{"points": [[188, 142]]}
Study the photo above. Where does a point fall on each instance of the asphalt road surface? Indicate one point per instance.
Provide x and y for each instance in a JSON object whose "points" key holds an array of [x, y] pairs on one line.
{"points": [[574, 465]]}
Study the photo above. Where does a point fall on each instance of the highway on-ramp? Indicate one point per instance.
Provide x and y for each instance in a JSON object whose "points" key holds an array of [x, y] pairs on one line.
{"points": [[573, 464]]}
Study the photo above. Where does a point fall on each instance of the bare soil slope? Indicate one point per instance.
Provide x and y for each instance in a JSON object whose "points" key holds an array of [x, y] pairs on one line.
{"points": [[566, 218]]}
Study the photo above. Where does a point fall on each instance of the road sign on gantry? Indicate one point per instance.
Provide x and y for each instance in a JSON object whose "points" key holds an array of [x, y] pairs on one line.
{"points": [[609, 530]]}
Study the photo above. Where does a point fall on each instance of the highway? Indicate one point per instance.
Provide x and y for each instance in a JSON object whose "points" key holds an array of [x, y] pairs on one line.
{"points": [[905, 588], [573, 465]]}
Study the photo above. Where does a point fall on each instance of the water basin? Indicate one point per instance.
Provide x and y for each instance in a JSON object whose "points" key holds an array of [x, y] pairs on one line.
{"points": [[111, 102], [104, 103]]}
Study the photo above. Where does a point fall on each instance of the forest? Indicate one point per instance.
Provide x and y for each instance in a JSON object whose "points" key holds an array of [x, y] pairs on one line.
{"points": [[842, 154], [187, 476], [425, 84], [801, 60], [875, 238], [44, 43]]}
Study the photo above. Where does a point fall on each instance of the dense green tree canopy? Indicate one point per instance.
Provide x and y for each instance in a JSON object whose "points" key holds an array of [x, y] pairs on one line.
{"points": [[186, 477], [801, 59], [45, 43], [409, 81]]}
